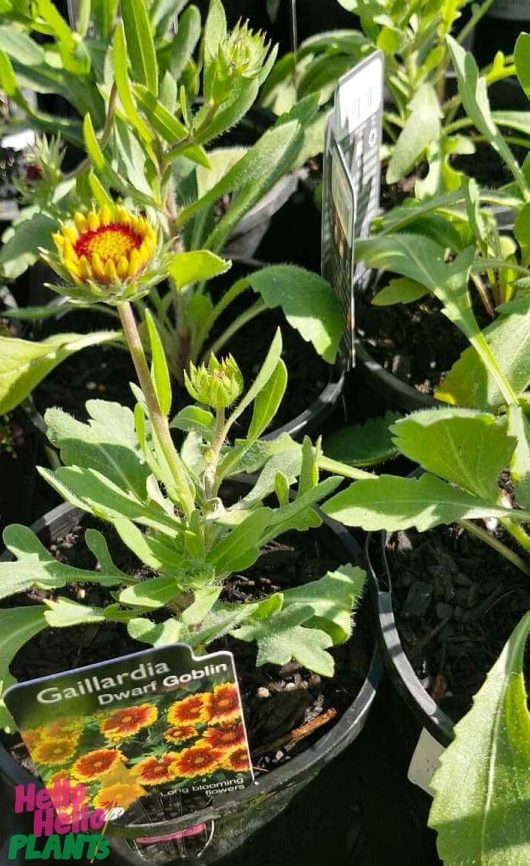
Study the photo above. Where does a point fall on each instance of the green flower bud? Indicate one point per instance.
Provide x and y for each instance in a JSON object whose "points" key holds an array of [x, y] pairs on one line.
{"points": [[244, 53], [217, 384]]}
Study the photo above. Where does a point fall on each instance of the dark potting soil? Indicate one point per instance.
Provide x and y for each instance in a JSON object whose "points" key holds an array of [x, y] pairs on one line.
{"points": [[286, 709], [414, 341], [456, 603]]}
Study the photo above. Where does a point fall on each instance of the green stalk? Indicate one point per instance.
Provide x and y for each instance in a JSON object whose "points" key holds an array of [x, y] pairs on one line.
{"points": [[517, 532], [233, 292], [210, 486], [497, 545], [158, 419], [237, 324], [480, 344]]}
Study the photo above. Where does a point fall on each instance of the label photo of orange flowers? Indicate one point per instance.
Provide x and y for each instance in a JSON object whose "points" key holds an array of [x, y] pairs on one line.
{"points": [[188, 738]]}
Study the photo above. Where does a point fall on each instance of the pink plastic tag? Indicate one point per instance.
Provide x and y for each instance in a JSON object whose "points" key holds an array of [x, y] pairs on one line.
{"points": [[181, 834]]}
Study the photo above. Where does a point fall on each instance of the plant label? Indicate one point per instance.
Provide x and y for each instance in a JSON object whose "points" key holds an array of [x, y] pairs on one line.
{"points": [[151, 736], [338, 234], [425, 761], [352, 156]]}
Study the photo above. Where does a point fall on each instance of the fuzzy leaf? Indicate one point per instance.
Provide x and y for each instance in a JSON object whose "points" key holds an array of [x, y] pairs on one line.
{"points": [[241, 547], [107, 443], [363, 444], [420, 130], [159, 367], [268, 401], [309, 303], [153, 593], [140, 45], [519, 429], [156, 634], [65, 613], [283, 637], [19, 625], [24, 364], [481, 807], [332, 598], [400, 291], [468, 448], [469, 383], [194, 267], [35, 567], [401, 503]]}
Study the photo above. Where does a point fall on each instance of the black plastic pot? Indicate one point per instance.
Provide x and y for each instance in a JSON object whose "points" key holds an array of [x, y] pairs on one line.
{"points": [[392, 392], [227, 823]]}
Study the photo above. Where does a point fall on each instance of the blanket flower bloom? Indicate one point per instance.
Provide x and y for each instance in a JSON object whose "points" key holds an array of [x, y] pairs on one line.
{"points": [[190, 710], [129, 721], [91, 766], [105, 256], [226, 736], [54, 752], [236, 761], [120, 795], [223, 703], [196, 761], [153, 771]]}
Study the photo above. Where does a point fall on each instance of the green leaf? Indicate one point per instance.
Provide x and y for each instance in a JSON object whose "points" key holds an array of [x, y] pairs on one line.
{"points": [[332, 598], [400, 291], [140, 44], [107, 443], [194, 267], [65, 613], [283, 637], [468, 448], [522, 61], [159, 369], [308, 301], [23, 364], [184, 42], [159, 553], [240, 548], [160, 634], [154, 592], [119, 57], [28, 236], [481, 807], [168, 126], [363, 444], [470, 383], [401, 503], [268, 401], [35, 567], [519, 429], [268, 369], [19, 625], [473, 91], [20, 46], [194, 418], [203, 601], [421, 129]]}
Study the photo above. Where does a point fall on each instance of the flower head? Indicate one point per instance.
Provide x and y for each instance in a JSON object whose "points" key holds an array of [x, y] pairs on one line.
{"points": [[155, 771], [128, 722], [95, 764], [244, 52], [223, 703], [237, 761], [217, 384], [105, 255], [54, 752], [118, 796], [180, 733], [227, 736], [196, 761], [190, 710]]}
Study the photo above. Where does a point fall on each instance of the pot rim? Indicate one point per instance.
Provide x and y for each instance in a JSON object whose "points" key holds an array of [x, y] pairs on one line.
{"points": [[404, 678], [314, 757]]}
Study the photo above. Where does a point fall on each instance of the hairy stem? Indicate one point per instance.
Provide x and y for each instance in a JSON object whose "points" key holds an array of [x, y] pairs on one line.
{"points": [[158, 419]]}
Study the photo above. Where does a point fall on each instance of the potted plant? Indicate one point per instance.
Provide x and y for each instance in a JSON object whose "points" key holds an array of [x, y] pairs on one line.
{"points": [[451, 577], [186, 533], [151, 152]]}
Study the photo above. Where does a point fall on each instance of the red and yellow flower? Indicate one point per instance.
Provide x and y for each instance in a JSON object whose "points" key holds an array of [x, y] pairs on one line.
{"points": [[53, 752], [225, 737], [196, 761], [128, 722], [237, 761], [180, 733], [104, 255], [32, 738], [63, 728], [190, 710], [223, 703], [95, 764], [118, 796], [156, 771]]}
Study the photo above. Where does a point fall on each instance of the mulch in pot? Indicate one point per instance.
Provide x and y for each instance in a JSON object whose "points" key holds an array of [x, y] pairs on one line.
{"points": [[456, 603], [286, 709]]}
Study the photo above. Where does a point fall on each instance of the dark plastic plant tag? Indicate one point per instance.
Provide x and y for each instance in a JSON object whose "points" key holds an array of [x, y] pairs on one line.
{"points": [[153, 735], [338, 234]]}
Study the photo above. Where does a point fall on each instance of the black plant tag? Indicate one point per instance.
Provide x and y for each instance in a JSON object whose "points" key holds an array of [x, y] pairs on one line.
{"points": [[152, 735], [354, 133]]}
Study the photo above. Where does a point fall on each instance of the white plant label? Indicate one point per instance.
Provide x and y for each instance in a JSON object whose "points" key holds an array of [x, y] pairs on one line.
{"points": [[425, 760], [510, 10]]}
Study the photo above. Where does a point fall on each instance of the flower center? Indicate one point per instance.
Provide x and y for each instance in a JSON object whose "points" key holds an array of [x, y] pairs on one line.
{"points": [[110, 242]]}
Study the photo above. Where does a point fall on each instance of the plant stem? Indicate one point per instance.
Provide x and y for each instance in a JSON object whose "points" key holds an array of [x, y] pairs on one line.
{"points": [[518, 533], [233, 292], [497, 545], [239, 322], [158, 419], [215, 451]]}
